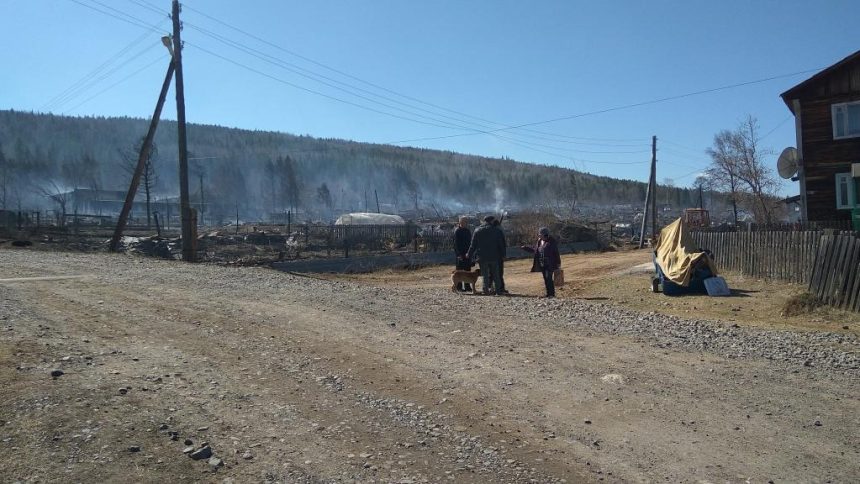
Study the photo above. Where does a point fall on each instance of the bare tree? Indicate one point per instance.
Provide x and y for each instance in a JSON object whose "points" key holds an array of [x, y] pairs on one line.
{"points": [[737, 167], [701, 185], [571, 195], [724, 169], [149, 178], [325, 198], [757, 177], [52, 190], [5, 172]]}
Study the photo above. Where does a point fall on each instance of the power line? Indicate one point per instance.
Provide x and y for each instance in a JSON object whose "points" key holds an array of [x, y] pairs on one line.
{"points": [[318, 93], [94, 72], [433, 122], [307, 59], [316, 77], [125, 17], [629, 106], [82, 89], [776, 127], [115, 84]]}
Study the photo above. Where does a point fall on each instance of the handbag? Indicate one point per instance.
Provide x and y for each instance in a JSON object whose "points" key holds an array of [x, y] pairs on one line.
{"points": [[558, 277]]}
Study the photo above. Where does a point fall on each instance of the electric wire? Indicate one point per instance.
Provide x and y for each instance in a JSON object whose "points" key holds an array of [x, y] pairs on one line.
{"points": [[776, 127], [433, 122], [138, 71], [104, 65], [131, 20], [411, 98], [315, 77], [83, 89], [630, 106], [138, 22]]}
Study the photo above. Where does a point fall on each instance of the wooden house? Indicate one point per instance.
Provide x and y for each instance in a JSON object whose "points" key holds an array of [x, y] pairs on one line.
{"points": [[826, 110]]}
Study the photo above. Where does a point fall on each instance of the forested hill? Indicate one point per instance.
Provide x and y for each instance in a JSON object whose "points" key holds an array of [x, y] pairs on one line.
{"points": [[265, 172]]}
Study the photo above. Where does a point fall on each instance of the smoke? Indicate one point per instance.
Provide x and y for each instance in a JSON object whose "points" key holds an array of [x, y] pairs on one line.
{"points": [[499, 195]]}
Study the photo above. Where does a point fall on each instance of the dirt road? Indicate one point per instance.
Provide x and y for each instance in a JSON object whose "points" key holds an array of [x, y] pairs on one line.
{"points": [[295, 379]]}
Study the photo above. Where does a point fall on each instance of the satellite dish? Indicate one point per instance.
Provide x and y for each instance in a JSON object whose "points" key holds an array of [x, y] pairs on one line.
{"points": [[787, 163]]}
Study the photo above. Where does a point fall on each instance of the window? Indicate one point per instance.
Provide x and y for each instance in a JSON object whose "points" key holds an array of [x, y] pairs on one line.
{"points": [[846, 120], [844, 191]]}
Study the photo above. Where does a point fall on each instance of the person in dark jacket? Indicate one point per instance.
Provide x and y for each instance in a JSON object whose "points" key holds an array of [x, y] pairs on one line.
{"points": [[488, 248], [501, 289], [547, 258], [462, 239]]}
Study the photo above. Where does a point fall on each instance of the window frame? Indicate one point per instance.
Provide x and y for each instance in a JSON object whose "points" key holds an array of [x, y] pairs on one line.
{"points": [[850, 185], [833, 110]]}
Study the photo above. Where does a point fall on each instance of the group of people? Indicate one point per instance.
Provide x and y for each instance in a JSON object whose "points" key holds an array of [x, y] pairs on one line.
{"points": [[487, 246]]}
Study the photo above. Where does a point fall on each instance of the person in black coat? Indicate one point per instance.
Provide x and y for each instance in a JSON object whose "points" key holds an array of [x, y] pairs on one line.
{"points": [[546, 260], [462, 239], [488, 248], [501, 289]]}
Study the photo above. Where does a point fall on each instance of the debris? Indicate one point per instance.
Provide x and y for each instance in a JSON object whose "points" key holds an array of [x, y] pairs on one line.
{"points": [[204, 452], [57, 373]]}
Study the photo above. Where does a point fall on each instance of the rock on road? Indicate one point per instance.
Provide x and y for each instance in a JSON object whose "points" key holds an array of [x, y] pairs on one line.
{"points": [[131, 367]]}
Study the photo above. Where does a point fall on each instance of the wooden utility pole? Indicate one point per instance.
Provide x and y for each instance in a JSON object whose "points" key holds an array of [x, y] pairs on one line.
{"points": [[186, 216], [377, 201], [650, 197], [653, 188], [141, 161]]}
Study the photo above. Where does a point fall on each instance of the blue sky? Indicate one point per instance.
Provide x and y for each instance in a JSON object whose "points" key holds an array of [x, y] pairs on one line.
{"points": [[506, 63]]}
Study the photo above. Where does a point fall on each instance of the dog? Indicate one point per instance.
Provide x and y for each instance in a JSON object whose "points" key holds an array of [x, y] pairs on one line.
{"points": [[469, 277]]}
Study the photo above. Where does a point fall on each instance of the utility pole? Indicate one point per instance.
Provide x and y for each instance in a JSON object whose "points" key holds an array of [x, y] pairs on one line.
{"points": [[650, 197], [654, 188], [141, 159], [377, 201], [186, 215]]}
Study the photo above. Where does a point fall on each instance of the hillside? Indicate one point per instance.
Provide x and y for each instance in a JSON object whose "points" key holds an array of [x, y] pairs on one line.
{"points": [[266, 172]]}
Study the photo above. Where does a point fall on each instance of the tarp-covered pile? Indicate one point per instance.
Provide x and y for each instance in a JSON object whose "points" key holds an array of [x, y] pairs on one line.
{"points": [[679, 259]]}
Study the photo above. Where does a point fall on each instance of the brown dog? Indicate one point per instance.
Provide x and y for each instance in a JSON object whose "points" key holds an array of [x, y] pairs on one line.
{"points": [[468, 277]]}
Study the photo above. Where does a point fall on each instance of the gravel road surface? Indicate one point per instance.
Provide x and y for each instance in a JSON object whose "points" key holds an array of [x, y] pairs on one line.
{"points": [[115, 368]]}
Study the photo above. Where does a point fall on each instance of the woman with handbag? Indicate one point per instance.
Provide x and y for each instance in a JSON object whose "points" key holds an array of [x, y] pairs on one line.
{"points": [[547, 259]]}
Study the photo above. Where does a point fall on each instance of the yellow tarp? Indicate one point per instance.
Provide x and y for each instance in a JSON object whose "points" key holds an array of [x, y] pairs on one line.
{"points": [[678, 255]]}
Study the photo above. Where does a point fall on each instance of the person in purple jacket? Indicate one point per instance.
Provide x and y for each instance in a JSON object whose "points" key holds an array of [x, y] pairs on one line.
{"points": [[547, 258]]}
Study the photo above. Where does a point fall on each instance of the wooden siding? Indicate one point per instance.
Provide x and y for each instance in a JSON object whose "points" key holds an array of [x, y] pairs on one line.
{"points": [[823, 156], [844, 81]]}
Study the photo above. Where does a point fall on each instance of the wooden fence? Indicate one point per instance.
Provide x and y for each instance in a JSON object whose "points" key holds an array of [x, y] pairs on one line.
{"points": [[778, 255], [835, 279], [827, 261]]}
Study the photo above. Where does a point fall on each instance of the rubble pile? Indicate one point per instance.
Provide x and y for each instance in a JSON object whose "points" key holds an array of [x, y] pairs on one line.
{"points": [[152, 246]]}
